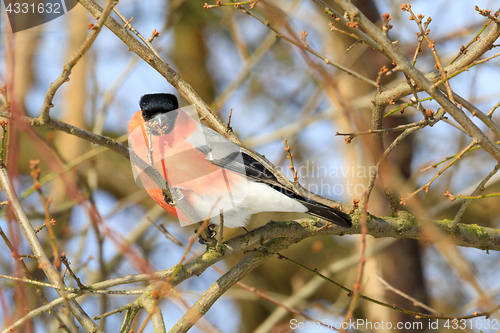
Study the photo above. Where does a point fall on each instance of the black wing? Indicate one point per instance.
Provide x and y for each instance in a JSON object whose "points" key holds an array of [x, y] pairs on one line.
{"points": [[227, 155], [318, 209]]}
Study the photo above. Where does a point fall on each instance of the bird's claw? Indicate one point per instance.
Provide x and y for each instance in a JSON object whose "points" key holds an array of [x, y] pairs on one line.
{"points": [[210, 236]]}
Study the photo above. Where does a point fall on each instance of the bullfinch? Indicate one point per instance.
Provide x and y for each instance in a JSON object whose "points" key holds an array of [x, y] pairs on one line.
{"points": [[211, 172]]}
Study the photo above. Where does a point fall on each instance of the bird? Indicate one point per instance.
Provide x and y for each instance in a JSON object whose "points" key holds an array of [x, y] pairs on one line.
{"points": [[209, 171]]}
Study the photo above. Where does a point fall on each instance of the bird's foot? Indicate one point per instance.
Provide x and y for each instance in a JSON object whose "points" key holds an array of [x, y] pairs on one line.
{"points": [[207, 236]]}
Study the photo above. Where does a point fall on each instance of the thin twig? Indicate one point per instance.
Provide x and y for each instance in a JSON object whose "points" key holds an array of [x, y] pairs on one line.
{"points": [[274, 301], [490, 113], [340, 18], [420, 107], [464, 235], [477, 113], [229, 118], [219, 3], [463, 49], [66, 262], [315, 283], [309, 49], [107, 314], [404, 106], [480, 187], [166, 233], [221, 229], [373, 176], [470, 197], [356, 290], [428, 184], [236, 273], [29, 277], [393, 306], [419, 45], [487, 13], [72, 290], [465, 69], [35, 173], [38, 251], [290, 157], [435, 165], [424, 32], [417, 124], [54, 86], [129, 26], [420, 79], [408, 297]]}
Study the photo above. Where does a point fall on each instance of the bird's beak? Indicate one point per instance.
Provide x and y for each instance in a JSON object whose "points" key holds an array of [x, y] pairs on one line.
{"points": [[162, 123]]}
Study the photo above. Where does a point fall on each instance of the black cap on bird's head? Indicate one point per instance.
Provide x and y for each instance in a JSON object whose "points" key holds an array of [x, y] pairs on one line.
{"points": [[155, 104], [160, 112]]}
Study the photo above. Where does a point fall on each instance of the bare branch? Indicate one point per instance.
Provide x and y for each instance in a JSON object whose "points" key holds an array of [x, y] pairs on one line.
{"points": [[39, 253], [54, 86], [423, 82]]}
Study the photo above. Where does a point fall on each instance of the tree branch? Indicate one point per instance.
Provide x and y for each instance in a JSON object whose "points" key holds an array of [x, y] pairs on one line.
{"points": [[423, 82], [43, 261], [64, 77], [401, 226], [235, 274], [482, 45], [164, 69]]}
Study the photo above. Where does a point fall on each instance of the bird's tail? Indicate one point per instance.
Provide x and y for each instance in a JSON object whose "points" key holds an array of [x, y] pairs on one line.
{"points": [[318, 209], [327, 213]]}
